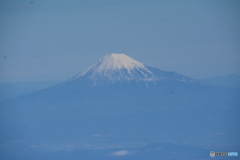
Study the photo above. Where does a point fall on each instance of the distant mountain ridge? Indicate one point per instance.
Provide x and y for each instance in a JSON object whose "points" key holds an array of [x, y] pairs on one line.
{"points": [[232, 80], [13, 90]]}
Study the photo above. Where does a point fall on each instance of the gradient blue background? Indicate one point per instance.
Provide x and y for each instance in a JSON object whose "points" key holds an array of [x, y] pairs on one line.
{"points": [[54, 40]]}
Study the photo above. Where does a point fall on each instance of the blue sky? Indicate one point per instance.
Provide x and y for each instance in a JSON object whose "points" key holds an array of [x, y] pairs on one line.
{"points": [[54, 40]]}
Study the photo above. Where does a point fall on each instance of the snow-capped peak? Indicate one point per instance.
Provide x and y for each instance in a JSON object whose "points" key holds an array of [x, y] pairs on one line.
{"points": [[117, 67], [114, 62], [117, 62]]}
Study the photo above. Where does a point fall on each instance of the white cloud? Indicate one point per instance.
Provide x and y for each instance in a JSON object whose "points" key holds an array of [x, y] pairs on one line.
{"points": [[120, 153]]}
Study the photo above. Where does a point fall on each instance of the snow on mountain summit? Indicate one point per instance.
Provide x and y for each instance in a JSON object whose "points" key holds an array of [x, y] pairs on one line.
{"points": [[118, 61], [115, 62], [117, 67]]}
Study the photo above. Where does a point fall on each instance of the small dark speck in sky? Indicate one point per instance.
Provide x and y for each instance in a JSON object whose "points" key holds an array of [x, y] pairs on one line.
{"points": [[31, 2], [163, 20], [4, 57]]}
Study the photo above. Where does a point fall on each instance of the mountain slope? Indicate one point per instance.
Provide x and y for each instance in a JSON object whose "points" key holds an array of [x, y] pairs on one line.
{"points": [[13, 90]]}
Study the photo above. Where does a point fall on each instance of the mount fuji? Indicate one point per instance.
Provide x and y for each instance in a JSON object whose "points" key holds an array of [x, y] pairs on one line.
{"points": [[119, 102], [115, 68], [118, 72], [117, 79], [121, 68]]}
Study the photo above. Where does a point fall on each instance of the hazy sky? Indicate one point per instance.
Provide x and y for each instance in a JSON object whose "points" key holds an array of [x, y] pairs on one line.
{"points": [[56, 39]]}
